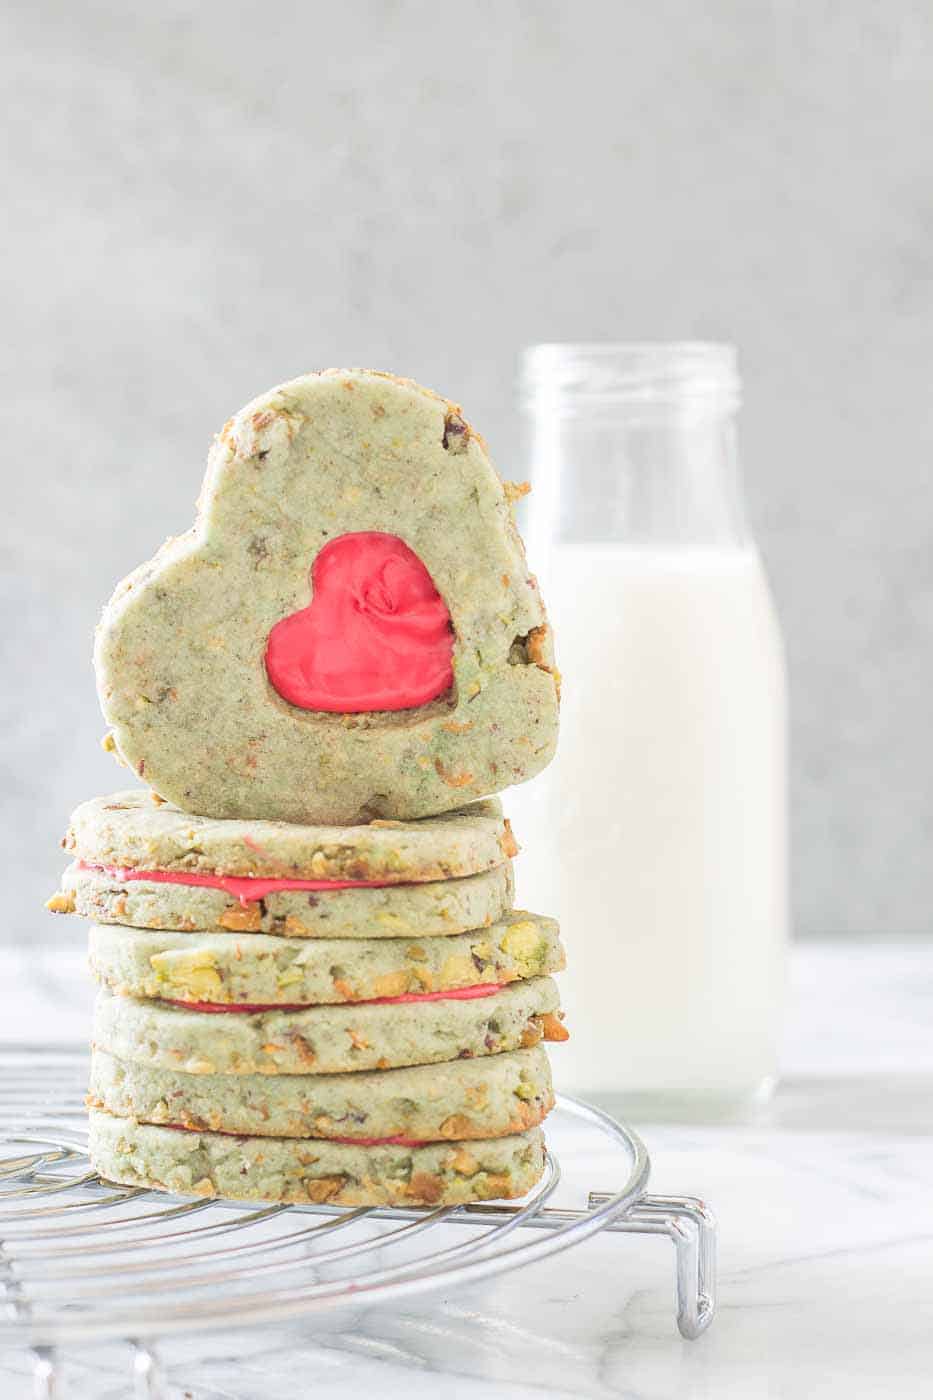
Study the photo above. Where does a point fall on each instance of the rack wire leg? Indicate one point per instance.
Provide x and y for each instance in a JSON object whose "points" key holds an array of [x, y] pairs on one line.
{"points": [[44, 1384], [147, 1378], [691, 1226]]}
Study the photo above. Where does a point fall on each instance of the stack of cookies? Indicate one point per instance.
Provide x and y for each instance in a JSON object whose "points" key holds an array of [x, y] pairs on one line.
{"points": [[313, 982]]}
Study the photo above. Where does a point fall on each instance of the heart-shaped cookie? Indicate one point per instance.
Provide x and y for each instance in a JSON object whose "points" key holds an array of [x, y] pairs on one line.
{"points": [[419, 674], [375, 636]]}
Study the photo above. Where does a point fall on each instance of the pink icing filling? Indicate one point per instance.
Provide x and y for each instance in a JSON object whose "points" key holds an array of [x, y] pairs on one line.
{"points": [[215, 1008], [376, 635], [243, 887]]}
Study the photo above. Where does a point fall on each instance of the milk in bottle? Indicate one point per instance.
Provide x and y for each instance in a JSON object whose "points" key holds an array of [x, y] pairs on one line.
{"points": [[658, 835]]}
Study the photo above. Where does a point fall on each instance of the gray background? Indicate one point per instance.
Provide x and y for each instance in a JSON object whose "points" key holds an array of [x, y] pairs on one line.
{"points": [[208, 198]]}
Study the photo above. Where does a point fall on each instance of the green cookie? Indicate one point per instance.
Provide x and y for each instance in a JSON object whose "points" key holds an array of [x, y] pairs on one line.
{"points": [[262, 969], [485, 1098], [297, 1170], [432, 909], [128, 830], [326, 1039], [183, 655]]}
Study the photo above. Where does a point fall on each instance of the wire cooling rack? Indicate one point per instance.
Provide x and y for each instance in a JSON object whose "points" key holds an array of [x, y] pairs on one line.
{"points": [[83, 1260]]}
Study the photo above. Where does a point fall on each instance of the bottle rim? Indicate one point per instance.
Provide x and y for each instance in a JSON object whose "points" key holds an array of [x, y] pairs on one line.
{"points": [[682, 374]]}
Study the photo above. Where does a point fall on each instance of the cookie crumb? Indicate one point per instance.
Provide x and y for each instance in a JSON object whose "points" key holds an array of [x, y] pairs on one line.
{"points": [[456, 433], [62, 903]]}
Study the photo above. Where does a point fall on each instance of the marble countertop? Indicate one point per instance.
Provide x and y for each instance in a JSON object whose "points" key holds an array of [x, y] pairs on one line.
{"points": [[826, 1239]]}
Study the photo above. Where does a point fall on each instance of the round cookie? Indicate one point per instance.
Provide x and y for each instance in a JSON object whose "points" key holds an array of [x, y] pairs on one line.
{"points": [[432, 909], [127, 831], [383, 492], [327, 1039], [296, 1170], [491, 1097], [262, 969]]}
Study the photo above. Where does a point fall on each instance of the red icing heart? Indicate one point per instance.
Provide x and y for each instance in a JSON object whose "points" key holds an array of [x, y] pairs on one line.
{"points": [[375, 636]]}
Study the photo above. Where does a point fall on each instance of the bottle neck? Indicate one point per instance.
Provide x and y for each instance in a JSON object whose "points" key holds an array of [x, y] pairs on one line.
{"points": [[649, 462]]}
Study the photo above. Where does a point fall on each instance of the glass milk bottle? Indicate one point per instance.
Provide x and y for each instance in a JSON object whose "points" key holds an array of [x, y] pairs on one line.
{"points": [[659, 834]]}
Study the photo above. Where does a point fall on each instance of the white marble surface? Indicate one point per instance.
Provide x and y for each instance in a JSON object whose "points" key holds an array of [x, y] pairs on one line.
{"points": [[826, 1244]]}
